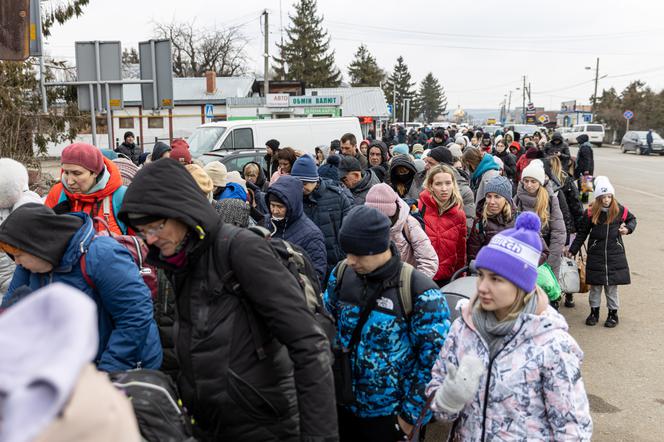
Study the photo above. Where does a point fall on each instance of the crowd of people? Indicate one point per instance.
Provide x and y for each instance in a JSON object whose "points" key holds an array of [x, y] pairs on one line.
{"points": [[382, 226]]}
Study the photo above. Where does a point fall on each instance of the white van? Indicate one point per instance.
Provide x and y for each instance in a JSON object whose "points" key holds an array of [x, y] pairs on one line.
{"points": [[595, 133], [302, 134]]}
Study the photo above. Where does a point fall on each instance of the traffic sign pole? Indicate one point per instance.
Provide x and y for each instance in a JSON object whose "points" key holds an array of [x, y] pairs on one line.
{"points": [[628, 114]]}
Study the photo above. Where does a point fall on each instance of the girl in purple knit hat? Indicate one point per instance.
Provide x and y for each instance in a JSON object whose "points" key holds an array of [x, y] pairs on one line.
{"points": [[509, 370]]}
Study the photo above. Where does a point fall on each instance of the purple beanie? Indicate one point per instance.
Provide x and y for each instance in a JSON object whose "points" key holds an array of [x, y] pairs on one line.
{"points": [[514, 253]]}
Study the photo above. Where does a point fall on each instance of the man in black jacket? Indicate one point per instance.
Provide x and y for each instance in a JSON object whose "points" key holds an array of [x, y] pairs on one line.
{"points": [[559, 148], [254, 364], [128, 148]]}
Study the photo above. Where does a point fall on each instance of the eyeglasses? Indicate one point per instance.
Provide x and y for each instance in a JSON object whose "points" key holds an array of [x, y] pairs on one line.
{"points": [[152, 231]]}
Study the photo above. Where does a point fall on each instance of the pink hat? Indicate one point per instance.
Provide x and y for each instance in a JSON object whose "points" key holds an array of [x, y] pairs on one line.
{"points": [[382, 197], [84, 155]]}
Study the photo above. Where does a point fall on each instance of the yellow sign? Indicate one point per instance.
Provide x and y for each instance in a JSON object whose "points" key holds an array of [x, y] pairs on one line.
{"points": [[115, 102], [167, 102], [33, 32], [491, 121]]}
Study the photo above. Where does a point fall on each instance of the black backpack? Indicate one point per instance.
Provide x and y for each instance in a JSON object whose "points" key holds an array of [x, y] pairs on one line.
{"points": [[296, 260], [156, 403]]}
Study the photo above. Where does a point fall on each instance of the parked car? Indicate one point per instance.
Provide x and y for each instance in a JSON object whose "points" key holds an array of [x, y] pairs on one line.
{"points": [[635, 141], [491, 129], [567, 134], [524, 129], [302, 134], [595, 133], [235, 159]]}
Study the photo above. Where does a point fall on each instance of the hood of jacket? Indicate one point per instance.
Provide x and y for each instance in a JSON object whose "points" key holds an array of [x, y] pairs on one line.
{"points": [[487, 163], [113, 183], [557, 138], [260, 181], [233, 191], [408, 163], [37, 230], [369, 178], [383, 150], [289, 190], [165, 189]]}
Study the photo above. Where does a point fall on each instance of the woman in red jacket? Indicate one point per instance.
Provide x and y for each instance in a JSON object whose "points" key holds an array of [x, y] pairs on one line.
{"points": [[445, 221], [89, 183]]}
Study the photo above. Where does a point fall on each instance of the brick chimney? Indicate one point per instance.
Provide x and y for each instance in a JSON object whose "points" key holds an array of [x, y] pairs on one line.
{"points": [[210, 82]]}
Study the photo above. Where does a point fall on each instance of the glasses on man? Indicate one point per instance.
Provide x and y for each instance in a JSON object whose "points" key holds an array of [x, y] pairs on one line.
{"points": [[152, 231]]}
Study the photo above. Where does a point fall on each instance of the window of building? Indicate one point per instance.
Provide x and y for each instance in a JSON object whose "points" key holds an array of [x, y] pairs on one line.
{"points": [[126, 122], [155, 122]]}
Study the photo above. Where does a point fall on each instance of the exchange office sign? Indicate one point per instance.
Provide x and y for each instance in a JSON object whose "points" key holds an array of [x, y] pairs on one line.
{"points": [[314, 100]]}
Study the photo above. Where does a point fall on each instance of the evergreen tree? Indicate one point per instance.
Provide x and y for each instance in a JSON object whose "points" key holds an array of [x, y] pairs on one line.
{"points": [[431, 100], [305, 55], [398, 88], [364, 70]]}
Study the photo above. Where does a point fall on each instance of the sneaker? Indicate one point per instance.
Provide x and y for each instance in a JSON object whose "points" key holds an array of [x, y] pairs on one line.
{"points": [[593, 317], [612, 319], [569, 300]]}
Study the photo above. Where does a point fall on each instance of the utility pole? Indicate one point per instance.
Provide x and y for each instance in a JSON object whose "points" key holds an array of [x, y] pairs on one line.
{"points": [[266, 76], [595, 94], [523, 108], [509, 103]]}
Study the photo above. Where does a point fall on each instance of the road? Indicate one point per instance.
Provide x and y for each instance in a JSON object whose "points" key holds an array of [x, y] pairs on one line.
{"points": [[623, 368]]}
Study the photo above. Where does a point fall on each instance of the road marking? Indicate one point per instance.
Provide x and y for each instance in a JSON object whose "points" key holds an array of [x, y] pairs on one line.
{"points": [[642, 192]]}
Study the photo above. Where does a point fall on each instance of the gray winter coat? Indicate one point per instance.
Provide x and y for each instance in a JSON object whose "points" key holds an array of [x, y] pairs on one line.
{"points": [[554, 233]]}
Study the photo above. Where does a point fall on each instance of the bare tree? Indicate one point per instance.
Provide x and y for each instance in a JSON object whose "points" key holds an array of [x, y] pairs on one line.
{"points": [[197, 49]]}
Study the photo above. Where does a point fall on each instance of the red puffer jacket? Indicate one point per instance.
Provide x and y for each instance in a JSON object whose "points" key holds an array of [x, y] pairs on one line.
{"points": [[447, 233]]}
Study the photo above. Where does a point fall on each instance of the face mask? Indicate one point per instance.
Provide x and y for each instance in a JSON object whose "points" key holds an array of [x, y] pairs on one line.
{"points": [[274, 218]]}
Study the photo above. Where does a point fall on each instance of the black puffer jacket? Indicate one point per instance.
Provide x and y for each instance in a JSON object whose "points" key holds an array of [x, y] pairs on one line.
{"points": [[557, 146], [509, 162], [585, 161], [131, 151], [288, 393], [607, 262]]}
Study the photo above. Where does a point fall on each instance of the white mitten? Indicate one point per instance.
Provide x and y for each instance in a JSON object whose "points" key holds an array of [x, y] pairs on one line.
{"points": [[460, 385]]}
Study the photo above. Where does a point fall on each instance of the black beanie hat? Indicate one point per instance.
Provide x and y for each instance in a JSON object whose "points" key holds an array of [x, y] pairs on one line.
{"points": [[128, 134], [272, 144], [365, 231], [442, 155], [36, 229]]}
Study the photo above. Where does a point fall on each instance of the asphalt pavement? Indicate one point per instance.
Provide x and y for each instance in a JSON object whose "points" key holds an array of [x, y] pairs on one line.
{"points": [[623, 369]]}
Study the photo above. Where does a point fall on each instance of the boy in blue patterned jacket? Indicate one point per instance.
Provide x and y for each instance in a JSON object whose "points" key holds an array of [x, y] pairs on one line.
{"points": [[395, 348]]}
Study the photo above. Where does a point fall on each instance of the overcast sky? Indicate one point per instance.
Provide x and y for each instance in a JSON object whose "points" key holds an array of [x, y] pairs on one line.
{"points": [[479, 50]]}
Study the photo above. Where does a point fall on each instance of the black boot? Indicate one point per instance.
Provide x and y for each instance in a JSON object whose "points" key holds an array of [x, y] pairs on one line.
{"points": [[569, 300], [593, 317], [612, 319]]}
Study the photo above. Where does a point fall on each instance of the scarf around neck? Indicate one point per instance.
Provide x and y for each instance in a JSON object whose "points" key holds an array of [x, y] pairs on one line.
{"points": [[494, 331]]}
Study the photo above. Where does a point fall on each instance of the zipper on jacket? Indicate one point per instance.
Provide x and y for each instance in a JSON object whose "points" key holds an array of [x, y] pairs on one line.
{"points": [[606, 253], [488, 380]]}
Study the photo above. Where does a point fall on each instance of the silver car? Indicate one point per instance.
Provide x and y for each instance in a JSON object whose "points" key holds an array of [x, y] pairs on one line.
{"points": [[635, 141]]}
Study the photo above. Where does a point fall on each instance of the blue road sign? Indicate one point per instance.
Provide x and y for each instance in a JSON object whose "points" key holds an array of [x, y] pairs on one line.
{"points": [[389, 109], [628, 115], [209, 110]]}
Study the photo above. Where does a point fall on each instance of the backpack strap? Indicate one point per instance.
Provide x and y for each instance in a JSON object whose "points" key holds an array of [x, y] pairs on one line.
{"points": [[118, 198], [624, 214], [341, 269], [405, 288], [84, 271]]}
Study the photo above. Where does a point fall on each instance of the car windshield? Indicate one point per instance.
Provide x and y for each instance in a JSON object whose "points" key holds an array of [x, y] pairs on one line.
{"points": [[595, 128], [655, 135], [204, 139]]}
